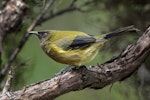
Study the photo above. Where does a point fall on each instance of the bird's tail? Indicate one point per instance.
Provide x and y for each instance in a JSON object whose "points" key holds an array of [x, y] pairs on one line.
{"points": [[121, 31]]}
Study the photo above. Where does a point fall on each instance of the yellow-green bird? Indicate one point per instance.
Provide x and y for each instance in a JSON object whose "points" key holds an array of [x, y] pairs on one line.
{"points": [[74, 47]]}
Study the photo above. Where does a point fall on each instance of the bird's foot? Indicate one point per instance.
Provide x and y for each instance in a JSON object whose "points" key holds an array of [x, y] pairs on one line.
{"points": [[69, 69]]}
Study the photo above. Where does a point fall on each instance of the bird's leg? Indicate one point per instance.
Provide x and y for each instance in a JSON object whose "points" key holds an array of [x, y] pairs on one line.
{"points": [[67, 69]]}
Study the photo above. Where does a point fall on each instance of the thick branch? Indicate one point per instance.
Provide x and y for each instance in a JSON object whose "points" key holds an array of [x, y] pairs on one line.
{"points": [[91, 77]]}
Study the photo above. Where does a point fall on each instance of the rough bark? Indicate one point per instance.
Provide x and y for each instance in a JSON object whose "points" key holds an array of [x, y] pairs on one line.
{"points": [[11, 16], [95, 77]]}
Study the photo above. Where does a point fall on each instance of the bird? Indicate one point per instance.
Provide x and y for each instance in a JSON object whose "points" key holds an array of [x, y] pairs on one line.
{"points": [[74, 47]]}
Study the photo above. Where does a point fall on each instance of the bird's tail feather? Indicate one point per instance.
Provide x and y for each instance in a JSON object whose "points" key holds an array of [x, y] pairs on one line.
{"points": [[121, 31]]}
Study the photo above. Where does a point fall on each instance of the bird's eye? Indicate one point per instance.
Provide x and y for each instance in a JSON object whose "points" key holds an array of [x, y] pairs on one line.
{"points": [[45, 34]]}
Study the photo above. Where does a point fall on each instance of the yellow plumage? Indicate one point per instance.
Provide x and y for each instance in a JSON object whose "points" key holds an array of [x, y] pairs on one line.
{"points": [[77, 57]]}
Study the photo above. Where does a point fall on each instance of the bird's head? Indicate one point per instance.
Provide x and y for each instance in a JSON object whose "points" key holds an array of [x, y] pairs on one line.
{"points": [[41, 34]]}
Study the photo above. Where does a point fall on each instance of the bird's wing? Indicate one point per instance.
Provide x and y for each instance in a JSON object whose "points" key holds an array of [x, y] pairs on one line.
{"points": [[81, 42]]}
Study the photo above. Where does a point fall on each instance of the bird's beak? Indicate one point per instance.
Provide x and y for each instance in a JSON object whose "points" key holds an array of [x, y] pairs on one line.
{"points": [[36, 33], [33, 32]]}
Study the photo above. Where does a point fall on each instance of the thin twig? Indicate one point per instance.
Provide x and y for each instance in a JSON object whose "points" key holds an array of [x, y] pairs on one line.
{"points": [[32, 26], [70, 8], [58, 13], [9, 81]]}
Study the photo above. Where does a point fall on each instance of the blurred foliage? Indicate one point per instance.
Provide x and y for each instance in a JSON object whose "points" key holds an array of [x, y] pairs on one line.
{"points": [[100, 16]]}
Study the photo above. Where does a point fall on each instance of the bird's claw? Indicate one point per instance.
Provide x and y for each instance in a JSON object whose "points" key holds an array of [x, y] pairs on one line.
{"points": [[69, 69]]}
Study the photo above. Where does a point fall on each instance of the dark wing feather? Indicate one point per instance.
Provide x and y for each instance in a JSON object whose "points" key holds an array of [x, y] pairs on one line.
{"points": [[81, 42]]}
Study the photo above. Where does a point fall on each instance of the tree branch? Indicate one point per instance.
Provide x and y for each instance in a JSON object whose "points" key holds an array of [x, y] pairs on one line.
{"points": [[95, 77], [72, 7]]}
